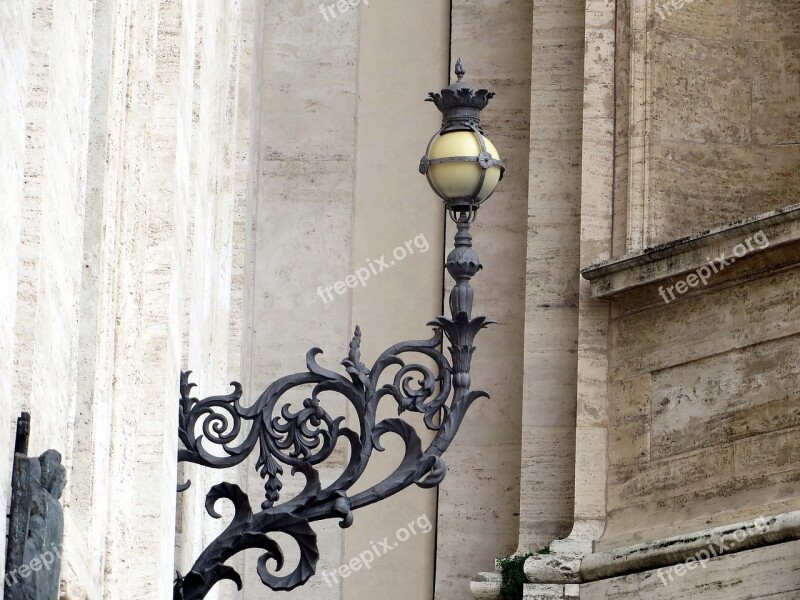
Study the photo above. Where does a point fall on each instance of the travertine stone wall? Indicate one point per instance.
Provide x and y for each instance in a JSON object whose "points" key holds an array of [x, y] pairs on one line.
{"points": [[713, 112], [703, 397], [551, 308], [97, 257], [393, 205], [215, 192], [15, 31], [34, 55], [597, 198], [302, 219], [688, 159]]}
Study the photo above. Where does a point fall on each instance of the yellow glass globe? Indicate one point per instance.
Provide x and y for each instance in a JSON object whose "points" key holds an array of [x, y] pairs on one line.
{"points": [[460, 179]]}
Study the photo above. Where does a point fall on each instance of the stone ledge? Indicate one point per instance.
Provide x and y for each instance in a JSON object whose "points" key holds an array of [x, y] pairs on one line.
{"points": [[553, 568], [675, 550], [537, 591], [486, 586], [612, 277], [558, 575]]}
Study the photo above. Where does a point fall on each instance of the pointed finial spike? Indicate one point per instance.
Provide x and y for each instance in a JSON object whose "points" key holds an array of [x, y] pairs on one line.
{"points": [[460, 71]]}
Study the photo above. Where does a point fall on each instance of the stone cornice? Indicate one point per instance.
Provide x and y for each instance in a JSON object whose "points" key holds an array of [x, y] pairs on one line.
{"points": [[616, 276], [715, 542]]}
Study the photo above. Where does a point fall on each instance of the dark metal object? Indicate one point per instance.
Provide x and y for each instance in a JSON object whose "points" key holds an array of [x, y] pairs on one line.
{"points": [[36, 522], [460, 104], [219, 432], [304, 438], [461, 107]]}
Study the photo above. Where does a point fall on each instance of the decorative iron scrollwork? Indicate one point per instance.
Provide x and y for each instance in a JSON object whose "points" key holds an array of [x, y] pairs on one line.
{"points": [[220, 432]]}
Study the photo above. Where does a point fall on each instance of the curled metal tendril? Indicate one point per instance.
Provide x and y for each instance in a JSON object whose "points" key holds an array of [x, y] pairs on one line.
{"points": [[304, 437]]}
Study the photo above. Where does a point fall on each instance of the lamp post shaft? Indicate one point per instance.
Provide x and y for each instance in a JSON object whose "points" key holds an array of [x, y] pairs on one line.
{"points": [[462, 264]]}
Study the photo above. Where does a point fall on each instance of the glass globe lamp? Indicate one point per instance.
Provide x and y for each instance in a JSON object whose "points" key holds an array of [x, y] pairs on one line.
{"points": [[462, 165]]}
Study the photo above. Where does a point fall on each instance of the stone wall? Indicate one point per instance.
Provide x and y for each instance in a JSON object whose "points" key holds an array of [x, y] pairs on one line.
{"points": [[710, 94], [704, 136], [702, 398], [102, 205], [686, 376]]}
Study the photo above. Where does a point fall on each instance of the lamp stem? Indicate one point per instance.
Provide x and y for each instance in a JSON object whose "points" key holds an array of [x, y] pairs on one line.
{"points": [[462, 264]]}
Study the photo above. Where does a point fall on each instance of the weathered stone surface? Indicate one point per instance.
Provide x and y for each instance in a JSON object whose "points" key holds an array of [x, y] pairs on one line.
{"points": [[15, 30], [101, 270], [557, 568], [538, 591], [759, 573], [677, 258], [486, 586], [737, 144]]}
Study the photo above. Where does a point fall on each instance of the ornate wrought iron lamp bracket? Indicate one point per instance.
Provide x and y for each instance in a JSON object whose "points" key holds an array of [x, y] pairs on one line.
{"points": [[220, 432]]}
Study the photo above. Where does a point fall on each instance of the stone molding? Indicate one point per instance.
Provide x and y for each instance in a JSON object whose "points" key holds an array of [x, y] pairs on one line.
{"points": [[613, 277], [557, 568], [486, 586], [677, 549], [564, 568]]}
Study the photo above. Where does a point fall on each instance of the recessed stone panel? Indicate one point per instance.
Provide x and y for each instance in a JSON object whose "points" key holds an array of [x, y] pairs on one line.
{"points": [[713, 113], [726, 397]]}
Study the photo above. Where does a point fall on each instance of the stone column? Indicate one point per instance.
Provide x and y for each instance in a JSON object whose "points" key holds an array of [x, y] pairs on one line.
{"points": [[479, 501], [301, 219], [597, 195], [553, 279], [561, 566], [550, 573]]}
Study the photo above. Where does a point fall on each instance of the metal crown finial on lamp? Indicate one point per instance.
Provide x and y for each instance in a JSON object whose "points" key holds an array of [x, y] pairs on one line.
{"points": [[302, 437]]}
